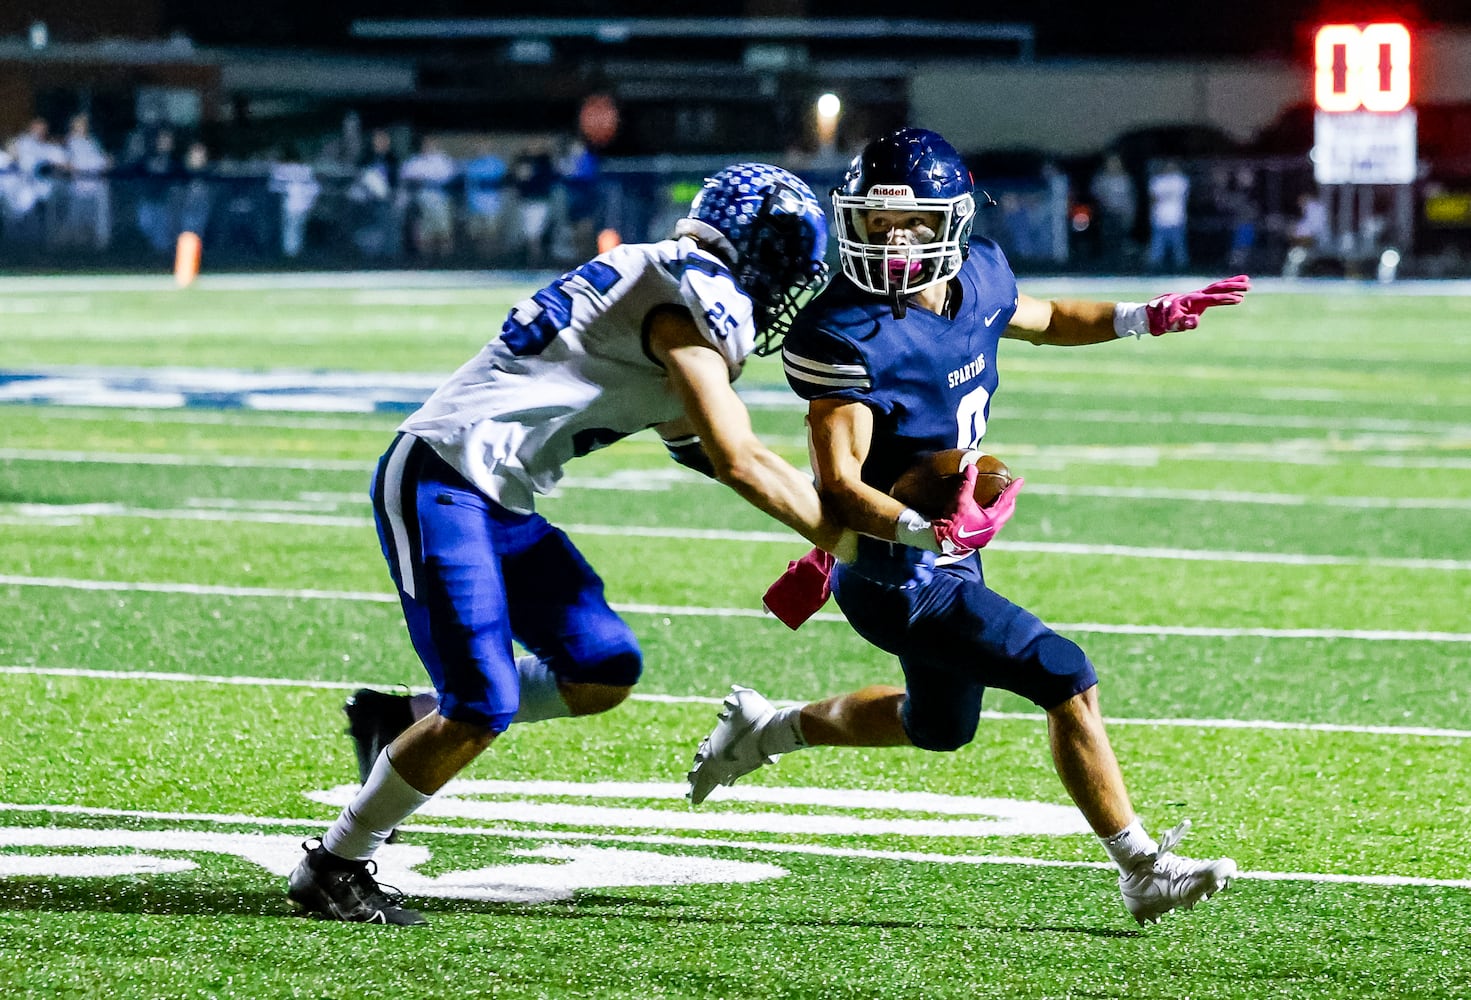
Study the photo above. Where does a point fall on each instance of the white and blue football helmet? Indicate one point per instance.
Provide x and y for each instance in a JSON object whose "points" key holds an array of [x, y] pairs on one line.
{"points": [[916, 170], [771, 230]]}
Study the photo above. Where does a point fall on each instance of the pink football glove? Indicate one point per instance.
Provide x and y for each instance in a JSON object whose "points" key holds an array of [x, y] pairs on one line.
{"points": [[970, 526], [804, 588], [1174, 312]]}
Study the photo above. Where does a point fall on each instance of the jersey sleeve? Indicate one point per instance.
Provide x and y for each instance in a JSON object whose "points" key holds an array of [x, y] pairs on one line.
{"points": [[721, 311], [820, 364]]}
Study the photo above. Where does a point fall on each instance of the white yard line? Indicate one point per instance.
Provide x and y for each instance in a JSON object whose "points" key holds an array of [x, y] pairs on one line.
{"points": [[166, 407], [235, 680], [819, 850], [199, 461], [373, 281], [67, 514], [670, 610], [379, 424], [1318, 452], [1390, 502]]}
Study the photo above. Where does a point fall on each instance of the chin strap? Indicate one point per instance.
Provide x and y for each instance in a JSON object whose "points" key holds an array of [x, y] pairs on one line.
{"points": [[897, 304]]}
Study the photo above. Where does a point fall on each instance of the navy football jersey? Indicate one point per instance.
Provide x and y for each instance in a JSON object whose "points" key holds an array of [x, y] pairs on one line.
{"points": [[928, 379]]}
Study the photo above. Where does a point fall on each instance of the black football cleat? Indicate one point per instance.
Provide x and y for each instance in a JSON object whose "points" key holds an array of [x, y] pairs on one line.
{"points": [[374, 720], [332, 888]]}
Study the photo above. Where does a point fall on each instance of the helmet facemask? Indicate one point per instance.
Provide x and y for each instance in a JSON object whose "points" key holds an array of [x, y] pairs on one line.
{"points": [[779, 267], [899, 269]]}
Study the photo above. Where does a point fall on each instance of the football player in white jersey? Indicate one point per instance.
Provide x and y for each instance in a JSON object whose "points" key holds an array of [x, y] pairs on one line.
{"points": [[643, 336]]}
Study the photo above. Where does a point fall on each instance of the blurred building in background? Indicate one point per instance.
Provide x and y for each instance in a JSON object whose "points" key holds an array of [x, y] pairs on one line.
{"points": [[362, 137]]}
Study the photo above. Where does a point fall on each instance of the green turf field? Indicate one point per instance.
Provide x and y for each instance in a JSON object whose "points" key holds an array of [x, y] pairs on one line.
{"points": [[1260, 531]]}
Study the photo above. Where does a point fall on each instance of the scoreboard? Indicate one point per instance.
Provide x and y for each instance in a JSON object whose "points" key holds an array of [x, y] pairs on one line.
{"points": [[1364, 128]]}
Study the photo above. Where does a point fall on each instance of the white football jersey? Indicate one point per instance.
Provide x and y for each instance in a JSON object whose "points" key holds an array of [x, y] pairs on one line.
{"points": [[571, 371]]}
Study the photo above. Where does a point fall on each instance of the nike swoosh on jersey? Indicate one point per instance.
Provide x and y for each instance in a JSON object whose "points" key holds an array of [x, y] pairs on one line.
{"points": [[962, 533], [992, 318]]}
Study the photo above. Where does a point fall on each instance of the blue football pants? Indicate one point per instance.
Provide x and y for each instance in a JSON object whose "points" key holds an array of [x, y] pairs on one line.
{"points": [[473, 576]]}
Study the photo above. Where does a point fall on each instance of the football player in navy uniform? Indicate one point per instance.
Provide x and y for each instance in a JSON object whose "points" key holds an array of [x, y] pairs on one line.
{"points": [[897, 359], [643, 336]]}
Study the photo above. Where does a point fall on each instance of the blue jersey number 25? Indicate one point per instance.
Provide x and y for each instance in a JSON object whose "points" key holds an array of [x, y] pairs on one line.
{"points": [[530, 330]]}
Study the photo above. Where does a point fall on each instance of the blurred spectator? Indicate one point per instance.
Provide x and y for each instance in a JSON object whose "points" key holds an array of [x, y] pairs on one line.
{"points": [[577, 173], [245, 212], [534, 175], [427, 176], [1117, 210], [139, 141], [344, 150], [36, 162], [1017, 219], [87, 221], [375, 192], [485, 180], [10, 183], [157, 173], [1059, 199], [197, 192], [1310, 236], [296, 184], [1236, 200], [1311, 228], [1169, 194]]}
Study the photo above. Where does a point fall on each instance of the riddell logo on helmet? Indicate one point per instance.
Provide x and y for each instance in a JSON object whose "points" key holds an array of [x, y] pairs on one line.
{"points": [[891, 191]]}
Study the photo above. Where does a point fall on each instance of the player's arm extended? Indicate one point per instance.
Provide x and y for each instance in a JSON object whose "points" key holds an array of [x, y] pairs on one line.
{"points": [[840, 433], [700, 378], [1071, 323], [1061, 322]]}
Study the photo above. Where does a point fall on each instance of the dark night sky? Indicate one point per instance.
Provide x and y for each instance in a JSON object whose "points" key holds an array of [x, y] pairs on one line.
{"points": [[1072, 28]]}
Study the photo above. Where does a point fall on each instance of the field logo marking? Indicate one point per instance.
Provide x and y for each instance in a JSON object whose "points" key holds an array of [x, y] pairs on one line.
{"points": [[553, 872], [827, 811], [688, 847]]}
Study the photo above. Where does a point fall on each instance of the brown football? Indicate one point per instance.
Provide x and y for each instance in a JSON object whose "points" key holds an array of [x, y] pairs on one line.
{"points": [[930, 484]]}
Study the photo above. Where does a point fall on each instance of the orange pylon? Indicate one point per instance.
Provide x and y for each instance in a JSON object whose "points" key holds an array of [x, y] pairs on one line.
{"points": [[186, 259]]}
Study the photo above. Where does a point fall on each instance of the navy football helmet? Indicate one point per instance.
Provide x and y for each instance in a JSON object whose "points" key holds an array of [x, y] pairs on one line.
{"points": [[771, 230], [912, 170]]}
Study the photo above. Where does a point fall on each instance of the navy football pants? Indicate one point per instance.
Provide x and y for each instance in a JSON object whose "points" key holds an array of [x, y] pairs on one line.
{"points": [[955, 637]]}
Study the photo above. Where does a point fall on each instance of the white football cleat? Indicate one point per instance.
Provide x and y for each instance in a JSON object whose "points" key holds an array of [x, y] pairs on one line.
{"points": [[733, 748], [1163, 881]]}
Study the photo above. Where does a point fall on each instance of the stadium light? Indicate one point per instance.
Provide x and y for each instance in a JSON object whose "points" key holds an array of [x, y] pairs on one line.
{"points": [[829, 106]]}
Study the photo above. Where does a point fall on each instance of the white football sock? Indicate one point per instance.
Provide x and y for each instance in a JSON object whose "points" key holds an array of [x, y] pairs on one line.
{"points": [[1129, 844], [385, 801], [782, 732], [541, 699]]}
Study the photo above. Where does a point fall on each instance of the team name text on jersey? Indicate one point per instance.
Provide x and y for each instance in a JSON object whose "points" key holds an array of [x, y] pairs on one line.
{"points": [[967, 372]]}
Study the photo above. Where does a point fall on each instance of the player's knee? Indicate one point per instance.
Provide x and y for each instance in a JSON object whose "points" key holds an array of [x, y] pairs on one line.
{"points": [[607, 653], [616, 666], [937, 732], [1065, 672], [590, 699]]}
